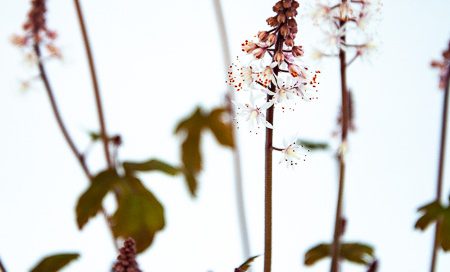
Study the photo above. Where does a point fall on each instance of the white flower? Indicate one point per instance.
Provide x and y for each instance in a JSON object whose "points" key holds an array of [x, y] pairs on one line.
{"points": [[240, 77], [253, 114], [292, 154]]}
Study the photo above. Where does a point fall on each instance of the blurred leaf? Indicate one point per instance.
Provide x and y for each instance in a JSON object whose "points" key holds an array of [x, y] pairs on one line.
{"points": [[139, 214], [54, 263], [246, 266], [352, 252], [445, 230], [90, 202], [431, 212], [151, 165], [312, 145], [317, 253], [223, 131], [357, 253]]}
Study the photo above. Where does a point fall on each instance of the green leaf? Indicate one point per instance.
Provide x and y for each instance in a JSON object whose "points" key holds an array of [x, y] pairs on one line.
{"points": [[317, 253], [223, 131], [139, 214], [357, 253], [444, 235], [151, 165], [246, 266], [431, 213], [54, 263], [312, 145], [95, 136], [90, 202], [353, 252]]}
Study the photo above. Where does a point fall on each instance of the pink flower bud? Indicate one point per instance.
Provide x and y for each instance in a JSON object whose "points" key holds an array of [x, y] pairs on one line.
{"points": [[284, 30], [297, 51], [271, 39], [262, 35], [259, 52]]}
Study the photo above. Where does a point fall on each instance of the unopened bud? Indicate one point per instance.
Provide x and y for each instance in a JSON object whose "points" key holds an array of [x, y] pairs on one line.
{"points": [[295, 4], [291, 22], [278, 57], [278, 6], [297, 51], [287, 3], [284, 30], [289, 42], [262, 35], [272, 21], [281, 18], [271, 39]]}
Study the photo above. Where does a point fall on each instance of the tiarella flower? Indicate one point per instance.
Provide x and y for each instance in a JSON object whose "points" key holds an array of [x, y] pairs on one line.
{"points": [[285, 91], [253, 115], [444, 68], [266, 77], [292, 154], [240, 77]]}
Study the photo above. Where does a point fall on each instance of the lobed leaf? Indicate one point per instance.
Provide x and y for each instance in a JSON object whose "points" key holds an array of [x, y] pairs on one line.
{"points": [[312, 145], [55, 262], [353, 252], [317, 253], [222, 130], [90, 202], [431, 212]]}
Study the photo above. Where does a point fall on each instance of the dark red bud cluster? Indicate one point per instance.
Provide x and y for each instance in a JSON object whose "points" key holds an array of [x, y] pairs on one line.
{"points": [[284, 21], [126, 261], [36, 22]]}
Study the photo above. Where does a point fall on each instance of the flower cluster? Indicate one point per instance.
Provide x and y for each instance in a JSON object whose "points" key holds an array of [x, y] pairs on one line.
{"points": [[126, 261], [272, 73], [444, 68], [344, 24], [36, 31]]}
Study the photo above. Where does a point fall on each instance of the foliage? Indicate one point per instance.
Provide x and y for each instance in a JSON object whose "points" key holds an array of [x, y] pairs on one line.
{"points": [[352, 252], [246, 265], [432, 213], [55, 262]]}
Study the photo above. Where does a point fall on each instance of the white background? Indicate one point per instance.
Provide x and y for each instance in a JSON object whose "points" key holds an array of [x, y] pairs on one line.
{"points": [[156, 61]]}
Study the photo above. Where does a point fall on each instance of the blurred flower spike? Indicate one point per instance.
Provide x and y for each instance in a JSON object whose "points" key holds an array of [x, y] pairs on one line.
{"points": [[444, 67], [272, 67], [36, 32], [345, 25]]}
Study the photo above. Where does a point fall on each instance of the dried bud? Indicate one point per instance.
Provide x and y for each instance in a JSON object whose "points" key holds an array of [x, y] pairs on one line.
{"points": [[284, 30], [272, 21], [294, 70], [271, 39], [281, 18], [262, 35], [297, 51], [259, 52], [289, 42], [278, 57]]}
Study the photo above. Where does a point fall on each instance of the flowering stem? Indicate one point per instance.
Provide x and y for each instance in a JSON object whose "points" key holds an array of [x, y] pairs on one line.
{"points": [[441, 170], [236, 151], [98, 100], [341, 159], [268, 172], [63, 128]]}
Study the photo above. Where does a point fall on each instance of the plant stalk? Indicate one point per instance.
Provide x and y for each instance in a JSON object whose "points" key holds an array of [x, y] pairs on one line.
{"points": [[341, 160], [2, 267], [236, 150], [95, 85], [62, 126], [440, 178]]}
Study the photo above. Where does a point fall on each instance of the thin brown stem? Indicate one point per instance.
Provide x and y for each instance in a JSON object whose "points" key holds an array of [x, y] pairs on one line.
{"points": [[236, 151], [67, 137], [440, 178], [95, 85], [268, 172], [2, 267], [341, 160]]}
